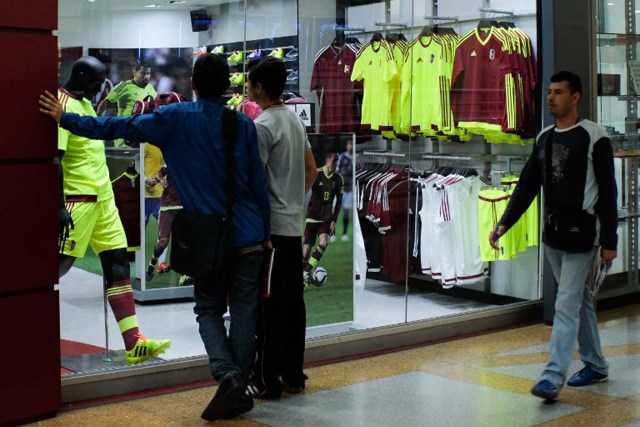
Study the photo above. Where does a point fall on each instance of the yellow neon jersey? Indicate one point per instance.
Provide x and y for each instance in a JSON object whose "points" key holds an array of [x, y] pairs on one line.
{"points": [[84, 163], [375, 65]]}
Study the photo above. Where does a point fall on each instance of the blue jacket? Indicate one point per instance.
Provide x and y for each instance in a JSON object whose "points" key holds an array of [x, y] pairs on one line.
{"points": [[189, 135]]}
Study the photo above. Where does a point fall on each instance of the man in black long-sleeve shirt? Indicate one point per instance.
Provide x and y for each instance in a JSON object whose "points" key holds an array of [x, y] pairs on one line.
{"points": [[573, 161]]}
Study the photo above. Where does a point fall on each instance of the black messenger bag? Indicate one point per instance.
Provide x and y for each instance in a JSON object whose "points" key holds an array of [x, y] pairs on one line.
{"points": [[202, 244]]}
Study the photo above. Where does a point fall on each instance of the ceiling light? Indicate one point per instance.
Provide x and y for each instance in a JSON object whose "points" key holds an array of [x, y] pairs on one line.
{"points": [[177, 1], [151, 5], [609, 4]]}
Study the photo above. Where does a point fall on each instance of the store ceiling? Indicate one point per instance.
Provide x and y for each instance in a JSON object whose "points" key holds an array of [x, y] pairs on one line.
{"points": [[72, 7]]}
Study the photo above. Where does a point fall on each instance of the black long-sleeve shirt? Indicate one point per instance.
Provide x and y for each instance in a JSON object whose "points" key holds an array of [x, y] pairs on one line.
{"points": [[582, 178]]}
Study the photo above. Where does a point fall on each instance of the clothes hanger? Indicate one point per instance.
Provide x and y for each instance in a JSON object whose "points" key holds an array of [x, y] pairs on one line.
{"points": [[377, 37]]}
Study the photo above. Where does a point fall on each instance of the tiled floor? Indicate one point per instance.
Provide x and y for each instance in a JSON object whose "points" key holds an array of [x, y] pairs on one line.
{"points": [[478, 381]]}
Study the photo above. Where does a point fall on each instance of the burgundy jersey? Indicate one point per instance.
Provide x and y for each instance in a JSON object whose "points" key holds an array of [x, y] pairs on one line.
{"points": [[395, 240], [331, 79], [325, 190], [478, 78], [126, 191]]}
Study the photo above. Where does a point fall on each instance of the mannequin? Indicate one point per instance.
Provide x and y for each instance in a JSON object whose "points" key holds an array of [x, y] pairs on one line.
{"points": [[87, 214]]}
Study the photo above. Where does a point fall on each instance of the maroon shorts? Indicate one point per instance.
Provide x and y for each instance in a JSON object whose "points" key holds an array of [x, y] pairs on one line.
{"points": [[313, 229]]}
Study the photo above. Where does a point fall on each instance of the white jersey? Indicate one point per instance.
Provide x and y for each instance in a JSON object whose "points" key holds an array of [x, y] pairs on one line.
{"points": [[426, 227], [463, 199], [445, 232]]}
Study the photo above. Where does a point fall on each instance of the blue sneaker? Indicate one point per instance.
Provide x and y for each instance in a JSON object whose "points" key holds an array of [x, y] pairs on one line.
{"points": [[587, 376], [545, 390]]}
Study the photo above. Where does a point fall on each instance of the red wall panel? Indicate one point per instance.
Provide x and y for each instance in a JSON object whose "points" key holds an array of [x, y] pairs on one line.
{"points": [[36, 14], [30, 360], [28, 221], [29, 61]]}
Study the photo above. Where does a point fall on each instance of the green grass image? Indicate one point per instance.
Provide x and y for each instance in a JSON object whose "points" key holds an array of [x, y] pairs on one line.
{"points": [[332, 303]]}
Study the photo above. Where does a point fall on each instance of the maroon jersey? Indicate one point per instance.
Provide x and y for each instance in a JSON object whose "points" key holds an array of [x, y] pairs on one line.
{"points": [[394, 241], [326, 190], [126, 191], [331, 79], [478, 78]]}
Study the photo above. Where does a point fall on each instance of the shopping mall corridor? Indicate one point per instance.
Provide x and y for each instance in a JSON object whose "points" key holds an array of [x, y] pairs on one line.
{"points": [[476, 381]]}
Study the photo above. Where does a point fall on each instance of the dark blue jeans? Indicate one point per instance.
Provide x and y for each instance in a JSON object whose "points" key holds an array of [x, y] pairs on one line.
{"points": [[234, 353]]}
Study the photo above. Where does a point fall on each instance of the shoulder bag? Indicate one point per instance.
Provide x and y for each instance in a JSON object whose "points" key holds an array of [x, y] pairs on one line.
{"points": [[202, 244]]}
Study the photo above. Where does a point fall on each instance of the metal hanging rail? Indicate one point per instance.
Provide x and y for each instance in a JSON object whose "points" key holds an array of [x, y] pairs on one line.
{"points": [[441, 19], [391, 24], [382, 154], [447, 157], [339, 27], [497, 11]]}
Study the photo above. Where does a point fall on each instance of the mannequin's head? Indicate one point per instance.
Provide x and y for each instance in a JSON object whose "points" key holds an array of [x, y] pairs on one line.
{"points": [[87, 76]]}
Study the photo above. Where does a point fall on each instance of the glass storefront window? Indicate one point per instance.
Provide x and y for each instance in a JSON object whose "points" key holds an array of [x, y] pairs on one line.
{"points": [[420, 116], [617, 110]]}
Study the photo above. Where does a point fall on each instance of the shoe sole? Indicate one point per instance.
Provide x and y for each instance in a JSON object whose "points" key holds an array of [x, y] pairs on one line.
{"points": [[545, 396]]}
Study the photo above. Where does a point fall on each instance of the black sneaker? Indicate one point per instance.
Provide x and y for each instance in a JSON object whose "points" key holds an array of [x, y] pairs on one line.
{"points": [[295, 386], [229, 401], [260, 391]]}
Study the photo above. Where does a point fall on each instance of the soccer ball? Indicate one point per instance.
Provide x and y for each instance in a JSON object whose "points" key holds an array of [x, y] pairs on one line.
{"points": [[319, 276]]}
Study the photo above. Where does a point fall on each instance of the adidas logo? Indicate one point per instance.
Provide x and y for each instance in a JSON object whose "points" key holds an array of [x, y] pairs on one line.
{"points": [[474, 53], [304, 115], [419, 60]]}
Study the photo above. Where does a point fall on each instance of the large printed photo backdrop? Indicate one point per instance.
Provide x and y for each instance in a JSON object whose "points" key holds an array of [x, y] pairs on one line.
{"points": [[170, 68]]}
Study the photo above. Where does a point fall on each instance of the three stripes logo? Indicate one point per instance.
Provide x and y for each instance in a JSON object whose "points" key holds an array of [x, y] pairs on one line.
{"points": [[304, 116], [140, 351]]}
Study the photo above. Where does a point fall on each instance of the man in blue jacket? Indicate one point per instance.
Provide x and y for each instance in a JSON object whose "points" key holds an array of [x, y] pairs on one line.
{"points": [[573, 161], [190, 137]]}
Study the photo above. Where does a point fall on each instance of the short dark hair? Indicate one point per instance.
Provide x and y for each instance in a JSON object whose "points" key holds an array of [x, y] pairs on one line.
{"points": [[271, 73], [211, 75], [141, 63], [575, 84]]}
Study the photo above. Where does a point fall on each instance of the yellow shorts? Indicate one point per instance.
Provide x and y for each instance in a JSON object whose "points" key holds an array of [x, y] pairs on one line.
{"points": [[491, 206], [96, 223]]}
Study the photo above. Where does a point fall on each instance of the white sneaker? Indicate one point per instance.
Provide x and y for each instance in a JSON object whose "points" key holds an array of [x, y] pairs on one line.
{"points": [[332, 238], [345, 238]]}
